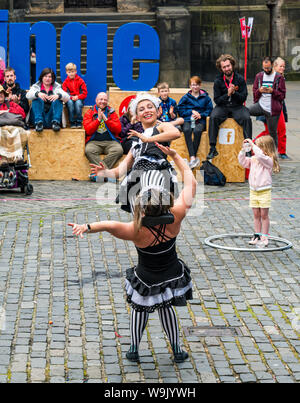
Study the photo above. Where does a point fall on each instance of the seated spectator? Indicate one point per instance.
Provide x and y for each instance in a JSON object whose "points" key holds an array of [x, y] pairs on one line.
{"points": [[15, 93], [47, 98], [2, 68], [76, 88], [9, 106], [194, 107], [102, 128], [230, 93], [128, 123], [167, 111]]}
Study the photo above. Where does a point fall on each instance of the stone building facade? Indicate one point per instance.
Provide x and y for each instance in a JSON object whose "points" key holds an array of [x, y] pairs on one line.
{"points": [[193, 33]]}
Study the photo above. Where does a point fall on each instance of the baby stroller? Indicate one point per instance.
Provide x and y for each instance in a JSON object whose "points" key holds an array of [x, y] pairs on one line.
{"points": [[14, 175]]}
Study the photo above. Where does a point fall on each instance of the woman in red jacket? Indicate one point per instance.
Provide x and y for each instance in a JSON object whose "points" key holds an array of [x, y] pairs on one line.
{"points": [[76, 88]]}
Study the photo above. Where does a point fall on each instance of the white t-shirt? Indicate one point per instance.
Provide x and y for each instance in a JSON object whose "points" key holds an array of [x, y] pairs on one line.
{"points": [[265, 99]]}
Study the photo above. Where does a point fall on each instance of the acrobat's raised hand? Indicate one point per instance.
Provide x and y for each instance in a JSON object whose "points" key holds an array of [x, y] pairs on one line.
{"points": [[78, 229]]}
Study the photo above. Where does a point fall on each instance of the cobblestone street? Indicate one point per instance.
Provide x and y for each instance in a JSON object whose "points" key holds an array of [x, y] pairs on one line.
{"points": [[63, 314]]}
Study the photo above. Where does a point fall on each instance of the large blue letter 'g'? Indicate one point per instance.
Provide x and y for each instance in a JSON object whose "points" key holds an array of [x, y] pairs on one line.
{"points": [[124, 53], [96, 56]]}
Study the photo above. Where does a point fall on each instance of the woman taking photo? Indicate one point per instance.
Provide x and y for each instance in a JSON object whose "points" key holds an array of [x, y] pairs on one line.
{"points": [[47, 98], [160, 280]]}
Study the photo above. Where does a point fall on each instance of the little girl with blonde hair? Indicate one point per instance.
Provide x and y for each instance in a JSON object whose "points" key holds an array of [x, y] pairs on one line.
{"points": [[261, 165]]}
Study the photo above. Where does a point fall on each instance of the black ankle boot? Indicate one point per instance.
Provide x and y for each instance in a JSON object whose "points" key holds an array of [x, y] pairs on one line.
{"points": [[132, 356], [180, 357], [39, 127], [212, 153]]}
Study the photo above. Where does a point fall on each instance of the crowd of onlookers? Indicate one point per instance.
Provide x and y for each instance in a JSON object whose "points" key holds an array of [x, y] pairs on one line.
{"points": [[107, 133]]}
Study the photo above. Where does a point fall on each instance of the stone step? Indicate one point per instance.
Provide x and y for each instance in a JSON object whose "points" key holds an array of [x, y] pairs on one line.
{"points": [[91, 17]]}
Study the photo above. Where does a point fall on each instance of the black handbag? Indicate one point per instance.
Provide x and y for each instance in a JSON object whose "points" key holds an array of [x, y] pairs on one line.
{"points": [[212, 175]]}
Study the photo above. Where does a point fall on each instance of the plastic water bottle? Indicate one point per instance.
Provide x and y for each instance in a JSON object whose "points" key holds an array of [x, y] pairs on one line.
{"points": [[193, 122]]}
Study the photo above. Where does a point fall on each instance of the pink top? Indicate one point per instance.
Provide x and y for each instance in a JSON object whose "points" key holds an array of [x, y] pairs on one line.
{"points": [[44, 89], [2, 68], [261, 167]]}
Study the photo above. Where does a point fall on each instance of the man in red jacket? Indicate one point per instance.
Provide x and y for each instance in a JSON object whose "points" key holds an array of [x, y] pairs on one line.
{"points": [[102, 128], [76, 88], [268, 95]]}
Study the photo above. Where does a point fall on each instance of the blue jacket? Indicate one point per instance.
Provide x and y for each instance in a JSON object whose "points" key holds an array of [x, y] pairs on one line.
{"points": [[202, 104], [165, 106]]}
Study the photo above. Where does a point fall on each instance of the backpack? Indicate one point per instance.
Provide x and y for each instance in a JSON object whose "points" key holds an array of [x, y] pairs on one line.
{"points": [[212, 175]]}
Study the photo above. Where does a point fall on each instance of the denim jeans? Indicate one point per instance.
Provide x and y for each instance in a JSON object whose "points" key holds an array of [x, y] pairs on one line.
{"points": [[75, 111], [54, 113]]}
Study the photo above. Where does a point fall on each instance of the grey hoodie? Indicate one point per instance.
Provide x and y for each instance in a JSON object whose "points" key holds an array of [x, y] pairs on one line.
{"points": [[57, 90]]}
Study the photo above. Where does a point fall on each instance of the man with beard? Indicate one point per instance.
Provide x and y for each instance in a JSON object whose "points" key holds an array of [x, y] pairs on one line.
{"points": [[268, 95], [15, 93], [230, 93]]}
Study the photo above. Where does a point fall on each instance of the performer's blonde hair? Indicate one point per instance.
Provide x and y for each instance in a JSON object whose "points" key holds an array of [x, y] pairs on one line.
{"points": [[153, 201]]}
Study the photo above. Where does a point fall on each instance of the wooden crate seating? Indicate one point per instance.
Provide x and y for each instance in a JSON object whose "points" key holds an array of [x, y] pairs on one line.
{"points": [[229, 144]]}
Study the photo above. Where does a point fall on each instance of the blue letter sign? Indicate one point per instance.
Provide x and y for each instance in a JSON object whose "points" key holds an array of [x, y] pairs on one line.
{"points": [[124, 53], [70, 51]]}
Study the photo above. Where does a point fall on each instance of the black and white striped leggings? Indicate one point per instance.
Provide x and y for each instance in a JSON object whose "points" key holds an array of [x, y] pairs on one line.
{"points": [[169, 323]]}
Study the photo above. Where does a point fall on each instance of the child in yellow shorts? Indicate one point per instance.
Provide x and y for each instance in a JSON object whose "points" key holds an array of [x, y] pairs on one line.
{"points": [[261, 165]]}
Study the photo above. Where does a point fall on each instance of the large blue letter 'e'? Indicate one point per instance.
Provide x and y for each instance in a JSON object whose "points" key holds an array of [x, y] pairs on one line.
{"points": [[124, 53]]}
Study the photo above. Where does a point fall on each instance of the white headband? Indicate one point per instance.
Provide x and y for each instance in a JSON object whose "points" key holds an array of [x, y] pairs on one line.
{"points": [[143, 96]]}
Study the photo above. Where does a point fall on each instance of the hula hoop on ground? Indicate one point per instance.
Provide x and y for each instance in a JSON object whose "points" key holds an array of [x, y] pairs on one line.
{"points": [[208, 241]]}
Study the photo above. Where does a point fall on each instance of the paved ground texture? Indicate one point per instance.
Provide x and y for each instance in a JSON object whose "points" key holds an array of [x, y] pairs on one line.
{"points": [[62, 312]]}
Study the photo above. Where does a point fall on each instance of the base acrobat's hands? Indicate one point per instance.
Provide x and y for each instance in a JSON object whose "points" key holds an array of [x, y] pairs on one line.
{"points": [[98, 170], [78, 229], [134, 133], [166, 150]]}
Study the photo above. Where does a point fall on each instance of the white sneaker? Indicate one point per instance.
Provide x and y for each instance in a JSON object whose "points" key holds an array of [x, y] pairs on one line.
{"points": [[264, 240], [194, 163], [254, 239]]}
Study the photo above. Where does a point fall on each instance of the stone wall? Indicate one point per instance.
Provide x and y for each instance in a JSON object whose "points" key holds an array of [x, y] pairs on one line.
{"points": [[174, 28], [127, 6], [46, 6], [215, 29]]}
